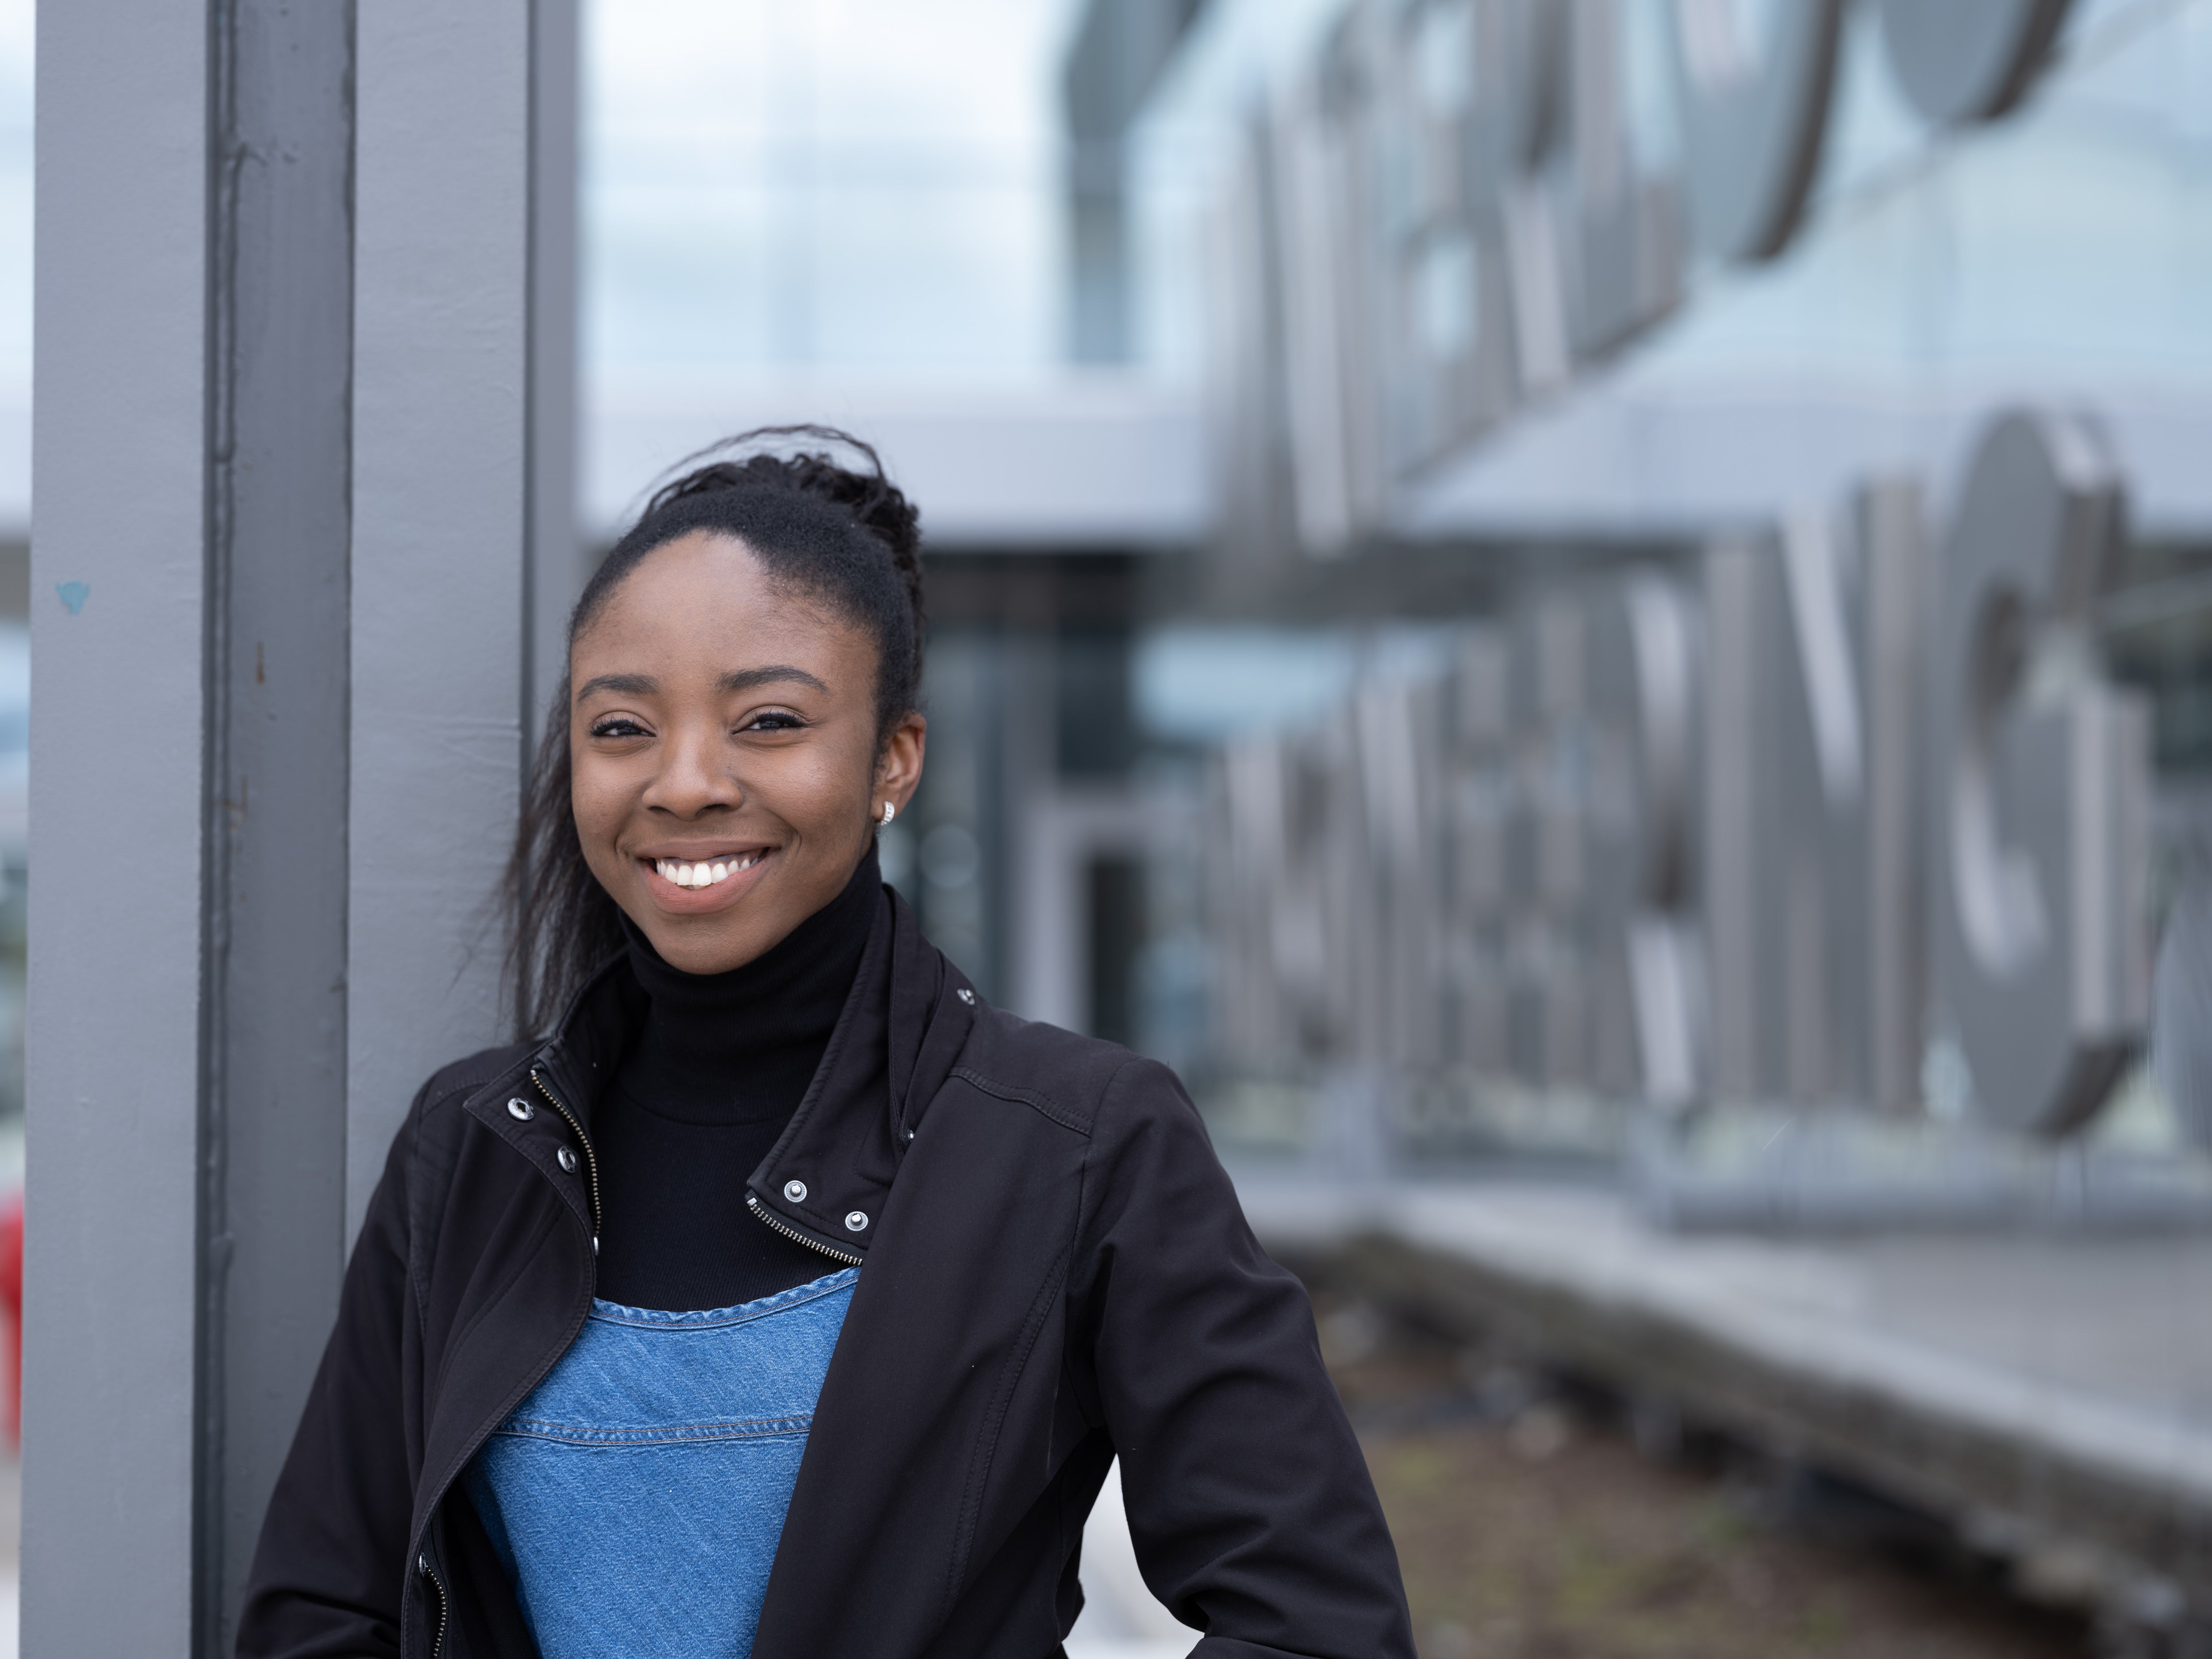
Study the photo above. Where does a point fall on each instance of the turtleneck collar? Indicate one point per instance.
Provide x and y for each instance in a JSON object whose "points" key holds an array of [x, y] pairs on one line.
{"points": [[741, 1046]]}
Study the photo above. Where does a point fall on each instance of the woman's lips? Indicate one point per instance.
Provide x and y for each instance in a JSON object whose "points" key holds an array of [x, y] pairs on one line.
{"points": [[688, 887]]}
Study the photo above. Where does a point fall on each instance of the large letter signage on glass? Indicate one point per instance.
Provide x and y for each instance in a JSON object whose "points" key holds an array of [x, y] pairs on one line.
{"points": [[1749, 835], [1755, 82], [2040, 784]]}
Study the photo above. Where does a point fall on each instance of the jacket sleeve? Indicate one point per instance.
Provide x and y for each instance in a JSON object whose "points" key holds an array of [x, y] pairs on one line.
{"points": [[1249, 1500], [328, 1574]]}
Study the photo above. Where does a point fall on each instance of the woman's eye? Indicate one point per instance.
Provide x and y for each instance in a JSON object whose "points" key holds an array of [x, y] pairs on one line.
{"points": [[617, 727], [774, 721]]}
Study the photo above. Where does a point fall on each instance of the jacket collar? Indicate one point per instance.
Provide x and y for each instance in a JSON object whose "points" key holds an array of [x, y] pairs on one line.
{"points": [[901, 1027], [904, 1024]]}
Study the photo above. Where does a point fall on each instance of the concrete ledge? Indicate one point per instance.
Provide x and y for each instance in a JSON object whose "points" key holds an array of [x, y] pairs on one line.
{"points": [[2040, 1391]]}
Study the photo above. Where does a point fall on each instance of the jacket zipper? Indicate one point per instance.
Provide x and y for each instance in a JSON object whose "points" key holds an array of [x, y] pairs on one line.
{"points": [[761, 1211], [591, 1161], [591, 1169], [437, 1641]]}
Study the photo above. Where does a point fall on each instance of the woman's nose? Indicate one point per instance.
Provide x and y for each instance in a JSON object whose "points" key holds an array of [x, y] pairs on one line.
{"points": [[695, 776]]}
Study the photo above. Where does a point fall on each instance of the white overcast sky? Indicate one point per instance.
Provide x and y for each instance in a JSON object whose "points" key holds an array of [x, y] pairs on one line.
{"points": [[863, 184], [14, 191], [862, 188], [850, 185]]}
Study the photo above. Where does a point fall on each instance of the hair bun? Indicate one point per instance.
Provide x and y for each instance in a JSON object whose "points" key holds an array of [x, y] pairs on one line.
{"points": [[877, 505]]}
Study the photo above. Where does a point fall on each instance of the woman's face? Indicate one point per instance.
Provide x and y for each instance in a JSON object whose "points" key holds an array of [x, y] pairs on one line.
{"points": [[722, 735]]}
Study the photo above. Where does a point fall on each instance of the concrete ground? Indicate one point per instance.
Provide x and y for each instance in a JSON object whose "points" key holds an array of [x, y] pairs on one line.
{"points": [[2045, 1391]]}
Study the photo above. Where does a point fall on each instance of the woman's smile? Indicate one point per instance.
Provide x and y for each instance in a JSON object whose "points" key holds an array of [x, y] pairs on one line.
{"points": [[688, 883]]}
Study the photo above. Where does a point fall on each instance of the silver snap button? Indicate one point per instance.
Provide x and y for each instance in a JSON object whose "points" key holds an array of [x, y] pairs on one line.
{"points": [[855, 1220], [568, 1159], [966, 996], [795, 1191], [521, 1110]]}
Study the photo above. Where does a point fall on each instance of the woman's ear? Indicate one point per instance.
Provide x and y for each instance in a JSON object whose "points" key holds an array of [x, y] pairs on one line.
{"points": [[898, 768]]}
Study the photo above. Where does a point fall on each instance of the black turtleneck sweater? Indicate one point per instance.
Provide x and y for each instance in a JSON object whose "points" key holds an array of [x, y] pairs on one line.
{"points": [[717, 1068]]}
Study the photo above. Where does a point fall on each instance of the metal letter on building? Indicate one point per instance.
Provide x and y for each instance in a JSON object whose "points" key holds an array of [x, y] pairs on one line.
{"points": [[1643, 704], [1455, 337], [1626, 218], [1478, 806], [1755, 111], [1549, 961], [2041, 784], [1969, 60]]}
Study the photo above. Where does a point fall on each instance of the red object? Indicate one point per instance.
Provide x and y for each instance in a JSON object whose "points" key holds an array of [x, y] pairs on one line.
{"points": [[11, 1316]]}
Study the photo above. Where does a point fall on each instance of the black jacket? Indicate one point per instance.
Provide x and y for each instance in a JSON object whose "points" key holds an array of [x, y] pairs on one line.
{"points": [[1057, 1273]]}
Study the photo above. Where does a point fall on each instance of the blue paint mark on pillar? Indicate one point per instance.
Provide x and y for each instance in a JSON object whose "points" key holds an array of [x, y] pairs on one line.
{"points": [[74, 594]]}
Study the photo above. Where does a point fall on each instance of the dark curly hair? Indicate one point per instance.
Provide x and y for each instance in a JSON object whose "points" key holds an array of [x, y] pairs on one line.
{"points": [[842, 535]]}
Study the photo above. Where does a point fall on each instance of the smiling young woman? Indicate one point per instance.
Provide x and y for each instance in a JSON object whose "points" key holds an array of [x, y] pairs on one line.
{"points": [[775, 1295]]}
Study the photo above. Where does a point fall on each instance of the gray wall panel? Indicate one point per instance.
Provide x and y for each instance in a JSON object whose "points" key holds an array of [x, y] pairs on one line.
{"points": [[119, 472]]}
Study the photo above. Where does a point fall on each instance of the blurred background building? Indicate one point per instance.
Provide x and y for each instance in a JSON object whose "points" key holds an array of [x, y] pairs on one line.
{"points": [[1595, 616]]}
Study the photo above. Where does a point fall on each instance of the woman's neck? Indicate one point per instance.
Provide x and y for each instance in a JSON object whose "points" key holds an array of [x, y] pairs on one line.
{"points": [[742, 1045]]}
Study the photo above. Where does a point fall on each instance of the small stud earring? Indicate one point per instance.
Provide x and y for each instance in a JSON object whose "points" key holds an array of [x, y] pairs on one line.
{"points": [[890, 811]]}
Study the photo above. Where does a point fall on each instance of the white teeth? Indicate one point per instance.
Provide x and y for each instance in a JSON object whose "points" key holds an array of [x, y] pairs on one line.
{"points": [[704, 874]]}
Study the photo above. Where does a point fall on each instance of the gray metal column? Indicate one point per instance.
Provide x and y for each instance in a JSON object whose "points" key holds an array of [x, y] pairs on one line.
{"points": [[442, 520], [119, 579], [559, 560], [273, 1236], [305, 378]]}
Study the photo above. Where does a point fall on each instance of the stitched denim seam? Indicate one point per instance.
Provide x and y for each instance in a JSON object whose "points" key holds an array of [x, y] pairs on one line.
{"points": [[674, 1434], [721, 1319]]}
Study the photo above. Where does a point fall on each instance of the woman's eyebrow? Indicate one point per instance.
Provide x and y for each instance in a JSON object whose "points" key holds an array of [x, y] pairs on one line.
{"points": [[632, 685], [745, 679]]}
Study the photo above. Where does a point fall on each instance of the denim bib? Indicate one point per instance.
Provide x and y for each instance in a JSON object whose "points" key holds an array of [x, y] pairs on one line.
{"points": [[637, 1495]]}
